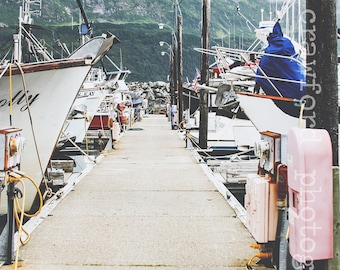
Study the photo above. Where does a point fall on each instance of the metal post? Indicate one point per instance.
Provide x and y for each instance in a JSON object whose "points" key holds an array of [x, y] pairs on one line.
{"points": [[180, 69], [203, 132], [10, 221], [172, 80], [174, 71], [321, 109], [173, 76]]}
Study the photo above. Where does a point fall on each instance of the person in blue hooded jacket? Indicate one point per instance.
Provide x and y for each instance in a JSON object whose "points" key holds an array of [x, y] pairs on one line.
{"points": [[289, 68]]}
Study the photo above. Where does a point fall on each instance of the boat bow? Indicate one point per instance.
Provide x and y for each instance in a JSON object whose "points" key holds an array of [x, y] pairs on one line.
{"points": [[265, 115]]}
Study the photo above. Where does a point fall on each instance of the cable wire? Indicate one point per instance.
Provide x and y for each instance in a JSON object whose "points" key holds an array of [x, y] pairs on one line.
{"points": [[31, 123]]}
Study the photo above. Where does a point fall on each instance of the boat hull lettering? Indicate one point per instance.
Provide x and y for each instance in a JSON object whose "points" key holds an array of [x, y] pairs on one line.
{"points": [[19, 99]]}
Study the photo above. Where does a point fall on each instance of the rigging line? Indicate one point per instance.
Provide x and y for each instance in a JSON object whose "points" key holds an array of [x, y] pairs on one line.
{"points": [[4, 70], [230, 156], [3, 60], [10, 89], [269, 80], [37, 46], [238, 10], [229, 51], [77, 146], [30, 116], [10, 95], [113, 63], [85, 130], [178, 8], [286, 5], [101, 124]]}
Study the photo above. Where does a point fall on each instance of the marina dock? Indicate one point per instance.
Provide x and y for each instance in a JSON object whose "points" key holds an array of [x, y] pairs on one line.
{"points": [[146, 204]]}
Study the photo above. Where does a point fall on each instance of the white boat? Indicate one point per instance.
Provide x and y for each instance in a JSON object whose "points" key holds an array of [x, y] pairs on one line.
{"points": [[282, 83], [280, 76], [226, 132], [225, 126], [115, 113], [37, 98], [51, 88], [100, 99], [95, 89]]}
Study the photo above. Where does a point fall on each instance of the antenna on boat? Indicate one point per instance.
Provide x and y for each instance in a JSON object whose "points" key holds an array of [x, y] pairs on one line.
{"points": [[121, 58], [29, 8], [244, 17]]}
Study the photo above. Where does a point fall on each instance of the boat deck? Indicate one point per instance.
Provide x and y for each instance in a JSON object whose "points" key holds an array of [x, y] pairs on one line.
{"points": [[147, 204]]}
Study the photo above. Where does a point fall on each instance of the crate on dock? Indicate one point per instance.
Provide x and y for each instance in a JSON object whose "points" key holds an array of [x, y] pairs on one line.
{"points": [[65, 165]]}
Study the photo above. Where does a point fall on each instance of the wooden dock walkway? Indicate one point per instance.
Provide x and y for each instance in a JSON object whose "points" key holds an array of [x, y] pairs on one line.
{"points": [[146, 205]]}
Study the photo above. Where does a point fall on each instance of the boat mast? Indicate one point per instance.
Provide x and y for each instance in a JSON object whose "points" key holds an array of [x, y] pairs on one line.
{"points": [[30, 7], [33, 46], [300, 29], [85, 28]]}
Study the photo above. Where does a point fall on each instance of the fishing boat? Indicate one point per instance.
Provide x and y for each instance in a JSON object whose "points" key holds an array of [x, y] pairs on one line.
{"points": [[279, 86], [37, 96], [269, 74], [114, 114], [97, 86], [70, 154], [229, 128], [94, 124]]}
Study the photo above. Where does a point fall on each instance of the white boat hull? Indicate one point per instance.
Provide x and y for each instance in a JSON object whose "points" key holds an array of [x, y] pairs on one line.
{"points": [[51, 93], [264, 114], [90, 99], [223, 131]]}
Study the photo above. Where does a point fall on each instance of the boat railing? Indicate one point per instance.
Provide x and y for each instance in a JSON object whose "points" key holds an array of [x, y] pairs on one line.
{"points": [[256, 43], [247, 66], [96, 75], [251, 60], [118, 73], [246, 55]]}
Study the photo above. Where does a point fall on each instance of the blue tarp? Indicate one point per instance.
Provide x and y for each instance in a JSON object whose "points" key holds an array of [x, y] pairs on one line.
{"points": [[284, 68]]}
